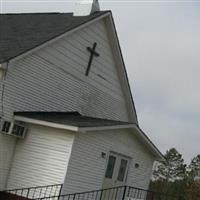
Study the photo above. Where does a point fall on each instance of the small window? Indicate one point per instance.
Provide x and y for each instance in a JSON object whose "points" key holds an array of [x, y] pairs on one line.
{"points": [[110, 167], [122, 170]]}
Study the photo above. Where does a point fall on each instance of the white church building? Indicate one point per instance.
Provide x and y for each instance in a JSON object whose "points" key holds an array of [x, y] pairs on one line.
{"points": [[66, 109]]}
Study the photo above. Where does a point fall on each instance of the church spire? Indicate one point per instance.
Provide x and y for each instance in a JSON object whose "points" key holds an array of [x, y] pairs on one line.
{"points": [[86, 7]]}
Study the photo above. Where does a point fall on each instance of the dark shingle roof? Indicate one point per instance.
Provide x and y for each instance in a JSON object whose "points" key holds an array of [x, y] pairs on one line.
{"points": [[70, 118], [22, 32]]}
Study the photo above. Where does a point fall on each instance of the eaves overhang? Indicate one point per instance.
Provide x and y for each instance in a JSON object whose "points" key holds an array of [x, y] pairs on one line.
{"points": [[133, 127]]}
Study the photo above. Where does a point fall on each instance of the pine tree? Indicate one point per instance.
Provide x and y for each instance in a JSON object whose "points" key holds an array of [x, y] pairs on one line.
{"points": [[173, 168], [194, 169]]}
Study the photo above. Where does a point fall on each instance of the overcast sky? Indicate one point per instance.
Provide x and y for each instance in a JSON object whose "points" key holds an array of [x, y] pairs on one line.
{"points": [[160, 41]]}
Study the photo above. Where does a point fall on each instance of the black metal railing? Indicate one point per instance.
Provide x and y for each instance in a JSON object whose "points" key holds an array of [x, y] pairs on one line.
{"points": [[37, 192], [116, 193], [141, 194]]}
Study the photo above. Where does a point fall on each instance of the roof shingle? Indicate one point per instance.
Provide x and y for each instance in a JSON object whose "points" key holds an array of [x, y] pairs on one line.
{"points": [[22, 32]]}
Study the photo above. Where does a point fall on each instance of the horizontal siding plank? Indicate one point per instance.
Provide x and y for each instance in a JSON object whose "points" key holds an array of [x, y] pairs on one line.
{"points": [[78, 68], [41, 158], [98, 67]]}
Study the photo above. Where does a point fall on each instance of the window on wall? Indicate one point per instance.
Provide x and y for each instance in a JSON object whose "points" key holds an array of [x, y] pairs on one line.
{"points": [[122, 170], [110, 166]]}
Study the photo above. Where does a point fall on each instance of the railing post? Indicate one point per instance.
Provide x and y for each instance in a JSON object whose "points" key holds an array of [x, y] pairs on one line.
{"points": [[128, 193], [61, 187], [28, 192], [101, 195], [152, 196], [124, 194]]}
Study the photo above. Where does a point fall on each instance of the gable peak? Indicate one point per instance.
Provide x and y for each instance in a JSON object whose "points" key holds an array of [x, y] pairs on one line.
{"points": [[86, 7]]}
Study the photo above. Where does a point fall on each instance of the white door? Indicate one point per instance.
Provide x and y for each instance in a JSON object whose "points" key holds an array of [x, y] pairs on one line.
{"points": [[116, 171]]}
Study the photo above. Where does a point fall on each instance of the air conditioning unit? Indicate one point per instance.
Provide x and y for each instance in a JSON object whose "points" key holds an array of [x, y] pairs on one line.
{"points": [[14, 129], [5, 126], [18, 130]]}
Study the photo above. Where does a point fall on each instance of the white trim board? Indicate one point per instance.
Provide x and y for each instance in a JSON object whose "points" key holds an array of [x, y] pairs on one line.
{"points": [[69, 127], [45, 123]]}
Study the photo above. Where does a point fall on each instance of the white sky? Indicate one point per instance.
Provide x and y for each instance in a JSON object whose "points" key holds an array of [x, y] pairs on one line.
{"points": [[160, 41]]}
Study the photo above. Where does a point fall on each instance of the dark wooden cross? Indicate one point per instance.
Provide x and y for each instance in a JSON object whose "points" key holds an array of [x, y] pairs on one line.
{"points": [[92, 54]]}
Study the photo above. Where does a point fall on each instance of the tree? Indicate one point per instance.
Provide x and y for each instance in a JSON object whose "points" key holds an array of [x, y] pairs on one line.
{"points": [[173, 168], [173, 177], [194, 169], [169, 176]]}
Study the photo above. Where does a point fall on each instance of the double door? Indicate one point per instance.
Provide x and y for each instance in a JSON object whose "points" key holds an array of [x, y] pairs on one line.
{"points": [[116, 171]]}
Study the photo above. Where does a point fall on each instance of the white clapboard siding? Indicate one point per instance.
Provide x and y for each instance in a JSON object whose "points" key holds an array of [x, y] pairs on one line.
{"points": [[53, 78], [86, 151], [7, 145], [41, 158]]}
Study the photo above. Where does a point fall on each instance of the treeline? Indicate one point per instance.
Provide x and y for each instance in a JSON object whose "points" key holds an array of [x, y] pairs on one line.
{"points": [[174, 177]]}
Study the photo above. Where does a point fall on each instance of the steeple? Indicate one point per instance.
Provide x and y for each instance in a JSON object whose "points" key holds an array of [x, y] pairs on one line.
{"points": [[86, 7]]}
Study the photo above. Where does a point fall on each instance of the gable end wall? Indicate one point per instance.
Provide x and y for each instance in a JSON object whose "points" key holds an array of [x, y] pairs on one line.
{"points": [[53, 78]]}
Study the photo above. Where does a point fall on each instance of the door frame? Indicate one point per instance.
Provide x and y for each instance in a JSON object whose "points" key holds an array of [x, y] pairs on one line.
{"points": [[119, 154]]}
